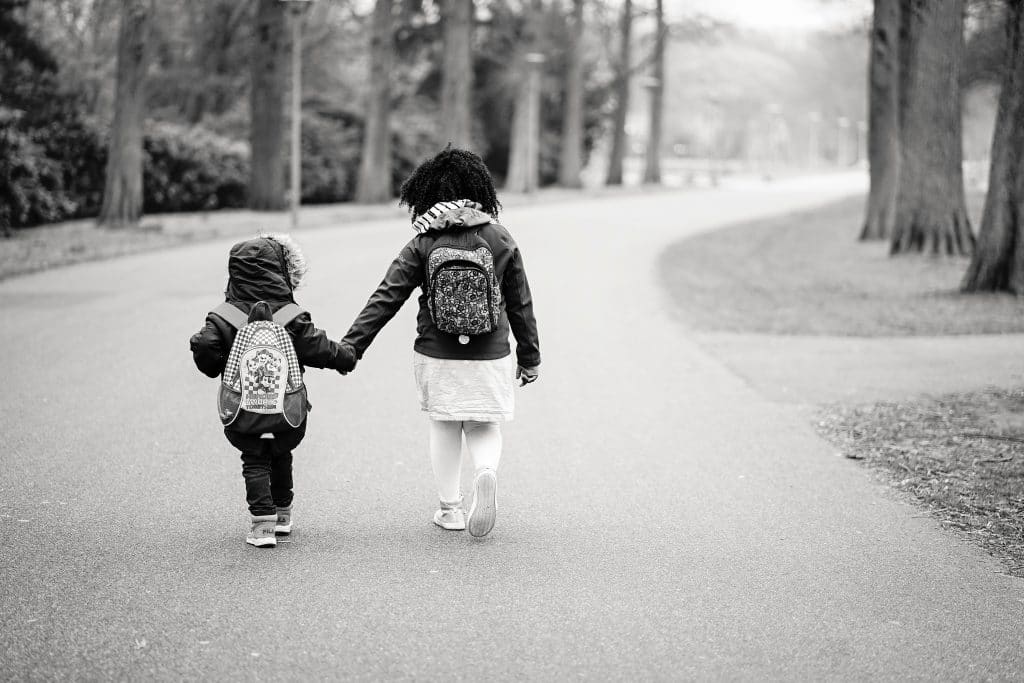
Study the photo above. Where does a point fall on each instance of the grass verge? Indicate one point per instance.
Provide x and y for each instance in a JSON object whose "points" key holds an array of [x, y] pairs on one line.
{"points": [[48, 246], [960, 456], [806, 273]]}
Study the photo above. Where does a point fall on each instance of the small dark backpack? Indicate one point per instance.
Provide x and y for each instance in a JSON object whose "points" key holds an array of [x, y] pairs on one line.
{"points": [[261, 388], [463, 295]]}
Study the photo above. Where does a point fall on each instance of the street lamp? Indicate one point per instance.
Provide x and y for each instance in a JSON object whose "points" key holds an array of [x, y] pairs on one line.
{"points": [[296, 8]]}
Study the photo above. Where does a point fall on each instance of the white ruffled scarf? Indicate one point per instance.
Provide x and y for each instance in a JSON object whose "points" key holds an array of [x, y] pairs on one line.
{"points": [[444, 215]]}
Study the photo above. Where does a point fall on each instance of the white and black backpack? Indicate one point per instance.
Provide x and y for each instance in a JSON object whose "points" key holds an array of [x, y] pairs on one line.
{"points": [[463, 293], [261, 388]]}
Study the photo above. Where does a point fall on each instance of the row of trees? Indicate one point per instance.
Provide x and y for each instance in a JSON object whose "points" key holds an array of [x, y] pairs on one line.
{"points": [[458, 65], [916, 198]]}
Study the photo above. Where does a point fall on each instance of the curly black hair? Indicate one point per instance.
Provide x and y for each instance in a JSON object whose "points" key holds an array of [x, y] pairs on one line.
{"points": [[451, 175]]}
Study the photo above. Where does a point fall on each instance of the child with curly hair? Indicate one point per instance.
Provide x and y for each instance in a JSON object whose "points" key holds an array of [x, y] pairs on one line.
{"points": [[474, 292]]}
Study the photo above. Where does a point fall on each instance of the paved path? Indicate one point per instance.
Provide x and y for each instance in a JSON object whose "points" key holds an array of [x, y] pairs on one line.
{"points": [[660, 519], [817, 369]]}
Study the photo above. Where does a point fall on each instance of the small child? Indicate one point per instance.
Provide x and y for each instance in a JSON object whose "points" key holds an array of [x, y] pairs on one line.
{"points": [[266, 269], [474, 291]]}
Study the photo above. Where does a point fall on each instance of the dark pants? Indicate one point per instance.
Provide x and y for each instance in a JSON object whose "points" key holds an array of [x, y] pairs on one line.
{"points": [[267, 468]]}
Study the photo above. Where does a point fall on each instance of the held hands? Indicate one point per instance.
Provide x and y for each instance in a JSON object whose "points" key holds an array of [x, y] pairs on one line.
{"points": [[345, 361], [526, 375]]}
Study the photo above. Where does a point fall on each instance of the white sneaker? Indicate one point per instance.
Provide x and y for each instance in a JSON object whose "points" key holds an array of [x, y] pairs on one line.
{"points": [[485, 503], [283, 526], [261, 533], [453, 519]]}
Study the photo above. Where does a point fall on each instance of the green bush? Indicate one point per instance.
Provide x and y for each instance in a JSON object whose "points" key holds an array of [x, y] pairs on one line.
{"points": [[31, 183], [191, 169]]}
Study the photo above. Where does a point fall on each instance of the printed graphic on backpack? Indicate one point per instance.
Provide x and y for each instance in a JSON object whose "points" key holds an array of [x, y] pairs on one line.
{"points": [[464, 297], [261, 388]]}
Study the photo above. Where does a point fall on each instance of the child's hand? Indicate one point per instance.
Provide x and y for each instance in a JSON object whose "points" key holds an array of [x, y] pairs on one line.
{"points": [[345, 361], [526, 375]]}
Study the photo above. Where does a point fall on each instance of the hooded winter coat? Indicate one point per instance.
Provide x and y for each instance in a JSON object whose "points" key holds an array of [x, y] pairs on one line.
{"points": [[408, 271], [265, 269]]}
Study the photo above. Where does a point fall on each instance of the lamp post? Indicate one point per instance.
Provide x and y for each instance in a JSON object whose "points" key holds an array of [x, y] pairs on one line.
{"points": [[843, 143], [813, 139], [296, 9]]}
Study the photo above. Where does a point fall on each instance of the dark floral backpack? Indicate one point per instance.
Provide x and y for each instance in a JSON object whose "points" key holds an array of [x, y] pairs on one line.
{"points": [[463, 294]]}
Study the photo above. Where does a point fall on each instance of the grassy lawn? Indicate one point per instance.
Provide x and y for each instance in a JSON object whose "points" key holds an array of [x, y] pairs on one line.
{"points": [[806, 273], [960, 456]]}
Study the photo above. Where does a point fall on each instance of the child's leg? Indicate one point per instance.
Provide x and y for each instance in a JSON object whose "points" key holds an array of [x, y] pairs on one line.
{"points": [[446, 458], [483, 439], [281, 467], [256, 465]]}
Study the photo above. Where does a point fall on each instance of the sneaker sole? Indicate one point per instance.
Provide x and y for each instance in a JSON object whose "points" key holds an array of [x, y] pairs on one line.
{"points": [[451, 527], [282, 530], [262, 542], [485, 507]]}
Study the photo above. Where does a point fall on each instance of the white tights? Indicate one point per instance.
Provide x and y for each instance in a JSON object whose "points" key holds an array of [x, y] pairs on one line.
{"points": [[483, 440]]}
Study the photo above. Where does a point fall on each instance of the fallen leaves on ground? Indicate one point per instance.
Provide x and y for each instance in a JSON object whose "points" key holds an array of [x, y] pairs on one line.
{"points": [[961, 456]]}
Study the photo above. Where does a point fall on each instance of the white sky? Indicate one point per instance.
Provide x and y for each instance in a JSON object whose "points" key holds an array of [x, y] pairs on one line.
{"points": [[776, 15]]}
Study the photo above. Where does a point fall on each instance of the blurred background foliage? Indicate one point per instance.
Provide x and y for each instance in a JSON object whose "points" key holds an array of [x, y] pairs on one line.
{"points": [[731, 92]]}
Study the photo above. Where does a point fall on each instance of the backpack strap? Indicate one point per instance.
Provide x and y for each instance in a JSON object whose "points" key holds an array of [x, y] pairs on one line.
{"points": [[287, 313], [231, 314]]}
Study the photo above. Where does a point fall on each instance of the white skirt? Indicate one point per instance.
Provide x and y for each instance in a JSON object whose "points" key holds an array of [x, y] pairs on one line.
{"points": [[478, 390]]}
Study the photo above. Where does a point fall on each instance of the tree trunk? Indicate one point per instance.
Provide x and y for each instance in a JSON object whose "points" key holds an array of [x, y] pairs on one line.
{"points": [[618, 150], [375, 165], [267, 101], [524, 147], [457, 74], [570, 162], [883, 120], [652, 169], [122, 193], [930, 211], [998, 261]]}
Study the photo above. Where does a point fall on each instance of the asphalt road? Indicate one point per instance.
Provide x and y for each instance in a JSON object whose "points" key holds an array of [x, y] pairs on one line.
{"points": [[659, 519]]}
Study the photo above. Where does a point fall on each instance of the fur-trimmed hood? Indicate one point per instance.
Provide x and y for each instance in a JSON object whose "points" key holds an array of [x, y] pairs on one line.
{"points": [[266, 268]]}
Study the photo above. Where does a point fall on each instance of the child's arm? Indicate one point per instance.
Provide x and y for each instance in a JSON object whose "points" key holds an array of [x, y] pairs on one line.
{"points": [[515, 288], [209, 348], [315, 349], [403, 276]]}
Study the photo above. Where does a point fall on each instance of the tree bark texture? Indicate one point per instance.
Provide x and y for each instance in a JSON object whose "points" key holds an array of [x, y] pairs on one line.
{"points": [[457, 74], [930, 212], [374, 183], [122, 193], [570, 162], [652, 168], [267, 102], [998, 261], [617, 155], [883, 120], [523, 145]]}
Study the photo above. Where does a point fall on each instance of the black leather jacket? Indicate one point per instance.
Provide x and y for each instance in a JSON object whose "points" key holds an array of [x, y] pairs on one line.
{"points": [[407, 272]]}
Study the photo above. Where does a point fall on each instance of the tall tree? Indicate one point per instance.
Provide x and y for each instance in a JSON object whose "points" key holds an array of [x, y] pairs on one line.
{"points": [[998, 261], [374, 184], [652, 169], [622, 74], [267, 100], [457, 73], [930, 211], [883, 120], [522, 173], [571, 155], [122, 192]]}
